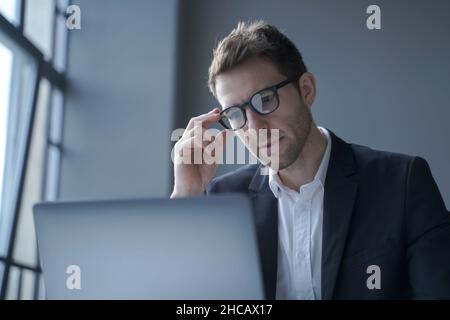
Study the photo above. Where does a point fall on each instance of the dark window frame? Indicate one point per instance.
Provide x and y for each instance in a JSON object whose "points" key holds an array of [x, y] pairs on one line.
{"points": [[45, 69]]}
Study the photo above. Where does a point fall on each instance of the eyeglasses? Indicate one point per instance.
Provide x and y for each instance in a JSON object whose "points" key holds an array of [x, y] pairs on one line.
{"points": [[262, 102]]}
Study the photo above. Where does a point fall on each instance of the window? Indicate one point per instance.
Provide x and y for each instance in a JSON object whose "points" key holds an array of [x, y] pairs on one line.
{"points": [[32, 63], [10, 9]]}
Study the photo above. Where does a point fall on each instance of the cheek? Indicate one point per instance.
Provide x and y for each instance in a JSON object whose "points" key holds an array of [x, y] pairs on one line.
{"points": [[250, 141], [244, 137], [284, 124], [291, 116]]}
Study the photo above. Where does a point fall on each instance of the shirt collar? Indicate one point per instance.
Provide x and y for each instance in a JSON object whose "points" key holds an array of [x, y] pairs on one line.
{"points": [[277, 186]]}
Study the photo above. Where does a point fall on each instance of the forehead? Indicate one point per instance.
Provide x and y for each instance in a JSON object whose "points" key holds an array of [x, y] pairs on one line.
{"points": [[236, 86]]}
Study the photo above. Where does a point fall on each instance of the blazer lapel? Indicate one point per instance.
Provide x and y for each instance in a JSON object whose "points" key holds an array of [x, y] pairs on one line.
{"points": [[339, 197], [265, 208]]}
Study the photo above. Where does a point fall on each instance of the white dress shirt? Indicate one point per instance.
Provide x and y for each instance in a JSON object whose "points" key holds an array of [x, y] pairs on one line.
{"points": [[300, 217]]}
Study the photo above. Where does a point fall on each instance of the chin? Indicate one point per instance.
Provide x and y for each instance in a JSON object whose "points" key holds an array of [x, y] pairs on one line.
{"points": [[287, 155]]}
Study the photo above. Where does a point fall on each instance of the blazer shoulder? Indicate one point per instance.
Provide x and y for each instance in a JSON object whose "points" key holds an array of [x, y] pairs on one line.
{"points": [[380, 161], [234, 181]]}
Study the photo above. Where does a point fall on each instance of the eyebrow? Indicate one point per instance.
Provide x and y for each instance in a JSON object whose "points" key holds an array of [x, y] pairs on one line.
{"points": [[248, 100]]}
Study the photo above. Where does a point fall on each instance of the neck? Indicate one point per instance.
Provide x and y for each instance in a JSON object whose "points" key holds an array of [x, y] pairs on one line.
{"points": [[305, 167]]}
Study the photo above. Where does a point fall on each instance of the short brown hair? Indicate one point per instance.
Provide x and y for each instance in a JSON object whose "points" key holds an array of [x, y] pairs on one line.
{"points": [[255, 39]]}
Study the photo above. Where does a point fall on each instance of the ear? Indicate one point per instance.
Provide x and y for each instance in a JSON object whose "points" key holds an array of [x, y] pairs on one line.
{"points": [[307, 84]]}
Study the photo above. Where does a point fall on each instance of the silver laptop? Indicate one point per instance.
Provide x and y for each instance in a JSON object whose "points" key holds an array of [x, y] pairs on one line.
{"points": [[191, 248]]}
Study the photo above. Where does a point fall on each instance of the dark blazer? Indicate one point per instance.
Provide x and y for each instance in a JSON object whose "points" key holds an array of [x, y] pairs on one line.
{"points": [[380, 208]]}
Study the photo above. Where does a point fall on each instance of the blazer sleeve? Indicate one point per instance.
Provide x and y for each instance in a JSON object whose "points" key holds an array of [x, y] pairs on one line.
{"points": [[428, 234]]}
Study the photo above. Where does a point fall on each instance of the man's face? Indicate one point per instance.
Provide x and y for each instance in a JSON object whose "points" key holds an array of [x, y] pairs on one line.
{"points": [[292, 118]]}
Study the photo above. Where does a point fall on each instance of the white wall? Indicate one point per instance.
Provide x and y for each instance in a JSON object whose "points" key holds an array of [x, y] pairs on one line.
{"points": [[119, 108]]}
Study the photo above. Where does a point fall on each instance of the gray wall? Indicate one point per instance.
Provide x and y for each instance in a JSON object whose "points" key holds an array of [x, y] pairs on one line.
{"points": [[119, 107], [387, 89]]}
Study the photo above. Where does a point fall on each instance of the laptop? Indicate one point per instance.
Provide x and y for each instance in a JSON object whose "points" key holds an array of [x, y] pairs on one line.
{"points": [[188, 248]]}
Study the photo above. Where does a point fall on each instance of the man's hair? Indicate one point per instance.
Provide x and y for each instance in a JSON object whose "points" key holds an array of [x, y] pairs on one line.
{"points": [[255, 39]]}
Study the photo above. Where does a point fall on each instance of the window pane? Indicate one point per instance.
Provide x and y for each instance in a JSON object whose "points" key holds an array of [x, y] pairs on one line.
{"points": [[25, 243], [56, 122], [39, 16], [27, 285], [17, 87], [60, 57], [10, 10], [13, 283], [53, 163], [5, 81], [54, 153]]}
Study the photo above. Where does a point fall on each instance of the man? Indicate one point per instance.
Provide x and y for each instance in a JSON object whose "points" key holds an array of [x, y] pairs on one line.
{"points": [[334, 220]]}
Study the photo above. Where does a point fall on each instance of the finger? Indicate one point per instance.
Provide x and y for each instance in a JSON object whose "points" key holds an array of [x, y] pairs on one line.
{"points": [[209, 156], [210, 147], [209, 151], [189, 152], [205, 119], [187, 134], [195, 140], [191, 144], [217, 143], [197, 130]]}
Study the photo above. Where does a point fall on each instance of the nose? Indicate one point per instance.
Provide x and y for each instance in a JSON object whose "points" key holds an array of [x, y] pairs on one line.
{"points": [[256, 121]]}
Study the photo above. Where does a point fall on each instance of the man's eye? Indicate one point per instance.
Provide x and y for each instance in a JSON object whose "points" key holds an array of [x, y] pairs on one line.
{"points": [[233, 115], [267, 98]]}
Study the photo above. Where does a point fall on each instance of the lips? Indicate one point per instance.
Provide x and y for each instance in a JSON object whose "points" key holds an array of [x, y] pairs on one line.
{"points": [[269, 145]]}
